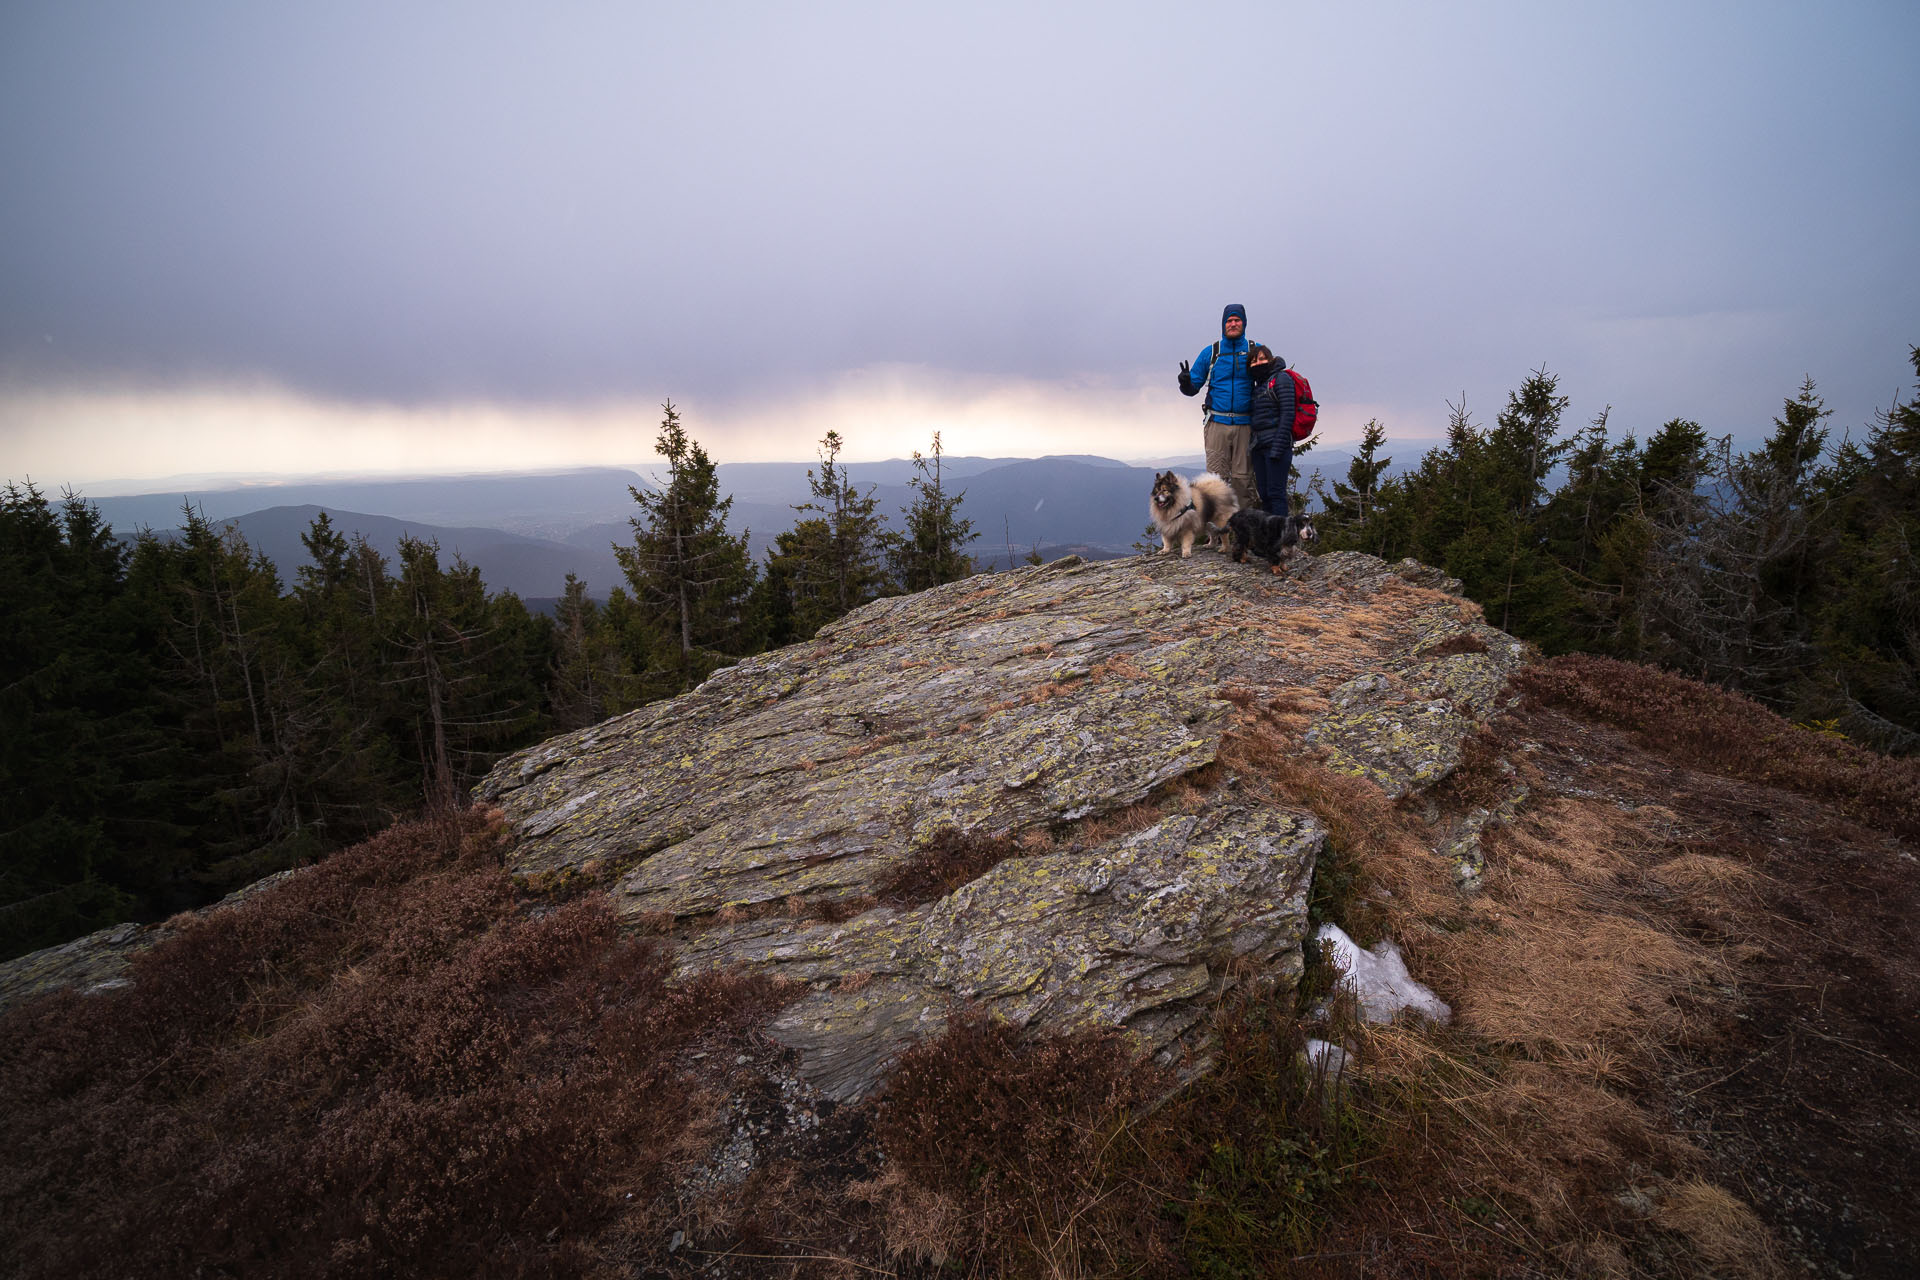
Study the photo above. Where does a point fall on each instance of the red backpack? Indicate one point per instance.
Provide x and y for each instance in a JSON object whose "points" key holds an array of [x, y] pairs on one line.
{"points": [[1306, 410]]}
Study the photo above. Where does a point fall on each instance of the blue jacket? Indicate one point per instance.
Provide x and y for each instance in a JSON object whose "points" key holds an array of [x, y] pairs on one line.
{"points": [[1229, 389]]}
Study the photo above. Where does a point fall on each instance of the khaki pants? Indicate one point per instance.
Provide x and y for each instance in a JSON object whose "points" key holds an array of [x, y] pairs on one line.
{"points": [[1229, 458]]}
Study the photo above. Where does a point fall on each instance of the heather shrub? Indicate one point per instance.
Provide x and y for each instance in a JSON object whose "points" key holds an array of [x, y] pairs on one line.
{"points": [[375, 1067], [1025, 1156], [949, 860], [1267, 1142], [1073, 1155], [1731, 734]]}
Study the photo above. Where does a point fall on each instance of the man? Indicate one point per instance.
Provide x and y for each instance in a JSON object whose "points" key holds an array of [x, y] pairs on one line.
{"points": [[1229, 403]]}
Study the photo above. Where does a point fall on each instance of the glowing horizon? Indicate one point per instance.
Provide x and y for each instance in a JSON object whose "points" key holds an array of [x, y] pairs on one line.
{"points": [[107, 441]]}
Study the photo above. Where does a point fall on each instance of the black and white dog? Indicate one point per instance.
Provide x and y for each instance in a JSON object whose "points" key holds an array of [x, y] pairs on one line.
{"points": [[1268, 535]]}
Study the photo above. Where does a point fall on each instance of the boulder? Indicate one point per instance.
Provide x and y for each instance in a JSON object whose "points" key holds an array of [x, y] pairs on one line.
{"points": [[1032, 708]]}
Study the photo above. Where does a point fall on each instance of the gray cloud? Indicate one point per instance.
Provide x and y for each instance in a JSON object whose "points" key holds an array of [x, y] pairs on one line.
{"points": [[461, 201]]}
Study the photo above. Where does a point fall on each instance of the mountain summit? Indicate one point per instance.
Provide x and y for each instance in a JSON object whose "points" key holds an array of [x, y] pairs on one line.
{"points": [[982, 793]]}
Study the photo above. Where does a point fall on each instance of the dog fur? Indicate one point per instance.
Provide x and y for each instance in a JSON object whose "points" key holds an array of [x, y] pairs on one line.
{"points": [[1183, 509], [1271, 536]]}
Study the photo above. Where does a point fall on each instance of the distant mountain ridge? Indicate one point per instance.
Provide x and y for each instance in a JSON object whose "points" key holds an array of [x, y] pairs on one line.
{"points": [[527, 532], [531, 568], [539, 506]]}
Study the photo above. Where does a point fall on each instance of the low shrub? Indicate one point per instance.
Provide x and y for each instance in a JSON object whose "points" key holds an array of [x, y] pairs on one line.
{"points": [[1268, 1143], [1728, 733], [1024, 1158], [375, 1067], [949, 860], [1069, 1155]]}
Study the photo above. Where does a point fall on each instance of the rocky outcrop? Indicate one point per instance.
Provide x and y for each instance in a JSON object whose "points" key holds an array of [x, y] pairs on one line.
{"points": [[100, 960], [1032, 707], [1131, 932]]}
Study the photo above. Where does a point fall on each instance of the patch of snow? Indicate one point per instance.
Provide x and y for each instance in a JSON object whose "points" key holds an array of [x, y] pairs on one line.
{"points": [[1380, 979], [1325, 1059]]}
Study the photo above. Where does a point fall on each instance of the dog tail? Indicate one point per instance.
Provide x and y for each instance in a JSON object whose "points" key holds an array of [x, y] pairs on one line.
{"points": [[1215, 498]]}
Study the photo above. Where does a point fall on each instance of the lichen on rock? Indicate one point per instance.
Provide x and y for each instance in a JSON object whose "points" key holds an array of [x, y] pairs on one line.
{"points": [[1026, 703], [1132, 932]]}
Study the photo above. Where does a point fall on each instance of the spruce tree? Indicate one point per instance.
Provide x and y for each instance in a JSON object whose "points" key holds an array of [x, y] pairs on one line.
{"points": [[1588, 525], [233, 664], [832, 558], [1449, 495], [1343, 523], [1522, 449], [345, 600], [591, 677], [464, 669], [1676, 457], [88, 812], [931, 549], [1866, 606], [690, 577], [770, 619], [1730, 564], [1523, 444]]}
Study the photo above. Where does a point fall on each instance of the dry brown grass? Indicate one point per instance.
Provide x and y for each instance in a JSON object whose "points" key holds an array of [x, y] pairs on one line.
{"points": [[1727, 733], [1703, 875], [1119, 665], [920, 1224], [1566, 964], [1288, 711], [1119, 823], [1384, 845], [1037, 840], [1567, 991], [1720, 1229]]}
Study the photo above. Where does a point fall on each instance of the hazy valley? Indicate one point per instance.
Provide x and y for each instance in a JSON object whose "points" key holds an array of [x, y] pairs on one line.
{"points": [[526, 533]]}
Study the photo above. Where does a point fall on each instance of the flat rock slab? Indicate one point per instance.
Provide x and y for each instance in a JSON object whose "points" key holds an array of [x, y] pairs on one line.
{"points": [[1135, 932], [1026, 700]]}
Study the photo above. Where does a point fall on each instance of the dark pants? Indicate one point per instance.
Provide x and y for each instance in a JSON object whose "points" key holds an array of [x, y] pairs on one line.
{"points": [[1272, 463]]}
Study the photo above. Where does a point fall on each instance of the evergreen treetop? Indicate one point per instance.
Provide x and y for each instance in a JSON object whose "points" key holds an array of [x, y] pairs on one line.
{"points": [[690, 576]]}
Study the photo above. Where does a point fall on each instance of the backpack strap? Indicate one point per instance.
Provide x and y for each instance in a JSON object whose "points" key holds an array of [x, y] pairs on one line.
{"points": [[1206, 414]]}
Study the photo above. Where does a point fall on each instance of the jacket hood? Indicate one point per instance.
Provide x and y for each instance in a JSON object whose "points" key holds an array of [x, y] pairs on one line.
{"points": [[1233, 309]]}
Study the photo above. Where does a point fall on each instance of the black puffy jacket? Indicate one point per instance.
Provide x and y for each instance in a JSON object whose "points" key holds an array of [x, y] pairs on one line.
{"points": [[1273, 406]]}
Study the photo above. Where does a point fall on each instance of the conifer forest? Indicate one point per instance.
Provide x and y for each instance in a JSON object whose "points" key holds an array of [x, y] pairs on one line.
{"points": [[177, 719]]}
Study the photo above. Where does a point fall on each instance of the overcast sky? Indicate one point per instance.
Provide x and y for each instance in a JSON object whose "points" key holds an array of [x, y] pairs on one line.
{"points": [[274, 237]]}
